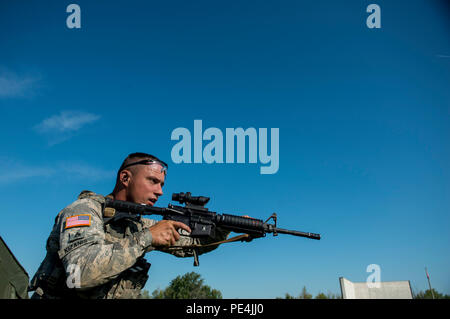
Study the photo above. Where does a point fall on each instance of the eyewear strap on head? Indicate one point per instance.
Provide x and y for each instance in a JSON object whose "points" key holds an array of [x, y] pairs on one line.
{"points": [[148, 162]]}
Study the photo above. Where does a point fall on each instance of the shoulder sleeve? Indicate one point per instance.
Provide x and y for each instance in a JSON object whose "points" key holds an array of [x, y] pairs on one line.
{"points": [[83, 246]]}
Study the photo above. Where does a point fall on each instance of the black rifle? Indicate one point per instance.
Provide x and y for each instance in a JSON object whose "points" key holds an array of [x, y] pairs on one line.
{"points": [[200, 220]]}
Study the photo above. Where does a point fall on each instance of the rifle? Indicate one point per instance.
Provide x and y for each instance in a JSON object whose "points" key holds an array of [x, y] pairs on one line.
{"points": [[202, 222]]}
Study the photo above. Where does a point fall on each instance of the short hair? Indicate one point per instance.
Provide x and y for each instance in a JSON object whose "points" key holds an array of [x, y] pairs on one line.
{"points": [[136, 156]]}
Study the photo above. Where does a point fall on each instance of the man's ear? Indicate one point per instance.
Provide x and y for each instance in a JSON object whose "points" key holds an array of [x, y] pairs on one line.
{"points": [[125, 177]]}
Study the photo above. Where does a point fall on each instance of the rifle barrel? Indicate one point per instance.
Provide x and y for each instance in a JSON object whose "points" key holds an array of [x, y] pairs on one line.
{"points": [[297, 233]]}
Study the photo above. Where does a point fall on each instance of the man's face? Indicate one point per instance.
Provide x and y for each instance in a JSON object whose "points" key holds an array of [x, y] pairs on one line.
{"points": [[145, 184]]}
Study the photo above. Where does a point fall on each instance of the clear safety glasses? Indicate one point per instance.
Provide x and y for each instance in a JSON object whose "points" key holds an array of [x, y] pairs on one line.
{"points": [[159, 165]]}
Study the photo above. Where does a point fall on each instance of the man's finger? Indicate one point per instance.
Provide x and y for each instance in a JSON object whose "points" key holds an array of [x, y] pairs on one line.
{"points": [[175, 234], [181, 225]]}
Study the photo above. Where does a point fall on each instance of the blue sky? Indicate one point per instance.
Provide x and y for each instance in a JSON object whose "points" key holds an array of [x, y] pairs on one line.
{"points": [[363, 116]]}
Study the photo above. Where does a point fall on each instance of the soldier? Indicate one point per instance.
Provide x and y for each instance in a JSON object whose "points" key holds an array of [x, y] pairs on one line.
{"points": [[88, 258]]}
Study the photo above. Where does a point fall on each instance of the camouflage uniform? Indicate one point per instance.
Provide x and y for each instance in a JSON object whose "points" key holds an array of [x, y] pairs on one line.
{"points": [[105, 259]]}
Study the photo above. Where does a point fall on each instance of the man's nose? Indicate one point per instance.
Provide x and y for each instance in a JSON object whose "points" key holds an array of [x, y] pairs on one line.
{"points": [[159, 190]]}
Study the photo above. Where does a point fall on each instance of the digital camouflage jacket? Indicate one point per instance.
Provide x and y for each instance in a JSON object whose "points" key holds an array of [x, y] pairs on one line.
{"points": [[88, 258]]}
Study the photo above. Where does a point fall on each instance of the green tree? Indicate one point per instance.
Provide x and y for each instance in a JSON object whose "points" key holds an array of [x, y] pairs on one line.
{"points": [[144, 295], [304, 294], [188, 286], [331, 295], [429, 295], [286, 296], [158, 294], [321, 295]]}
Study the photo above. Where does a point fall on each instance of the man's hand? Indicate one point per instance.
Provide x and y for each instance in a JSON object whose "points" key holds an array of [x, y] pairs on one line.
{"points": [[164, 233]]}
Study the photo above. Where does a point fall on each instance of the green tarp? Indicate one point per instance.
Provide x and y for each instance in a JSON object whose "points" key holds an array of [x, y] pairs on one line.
{"points": [[13, 277]]}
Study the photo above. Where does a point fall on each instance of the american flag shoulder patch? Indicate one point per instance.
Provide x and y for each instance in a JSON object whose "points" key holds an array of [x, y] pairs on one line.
{"points": [[78, 220]]}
